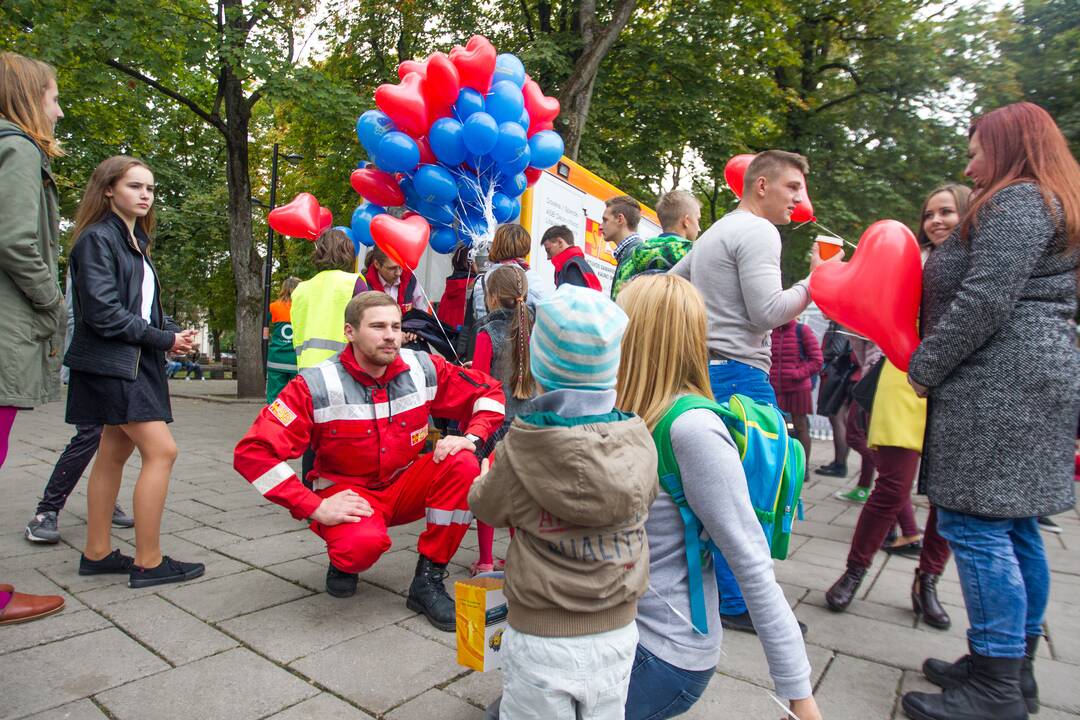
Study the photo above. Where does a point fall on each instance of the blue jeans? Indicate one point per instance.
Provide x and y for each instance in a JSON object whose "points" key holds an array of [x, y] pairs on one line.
{"points": [[1004, 576], [729, 377], [660, 690]]}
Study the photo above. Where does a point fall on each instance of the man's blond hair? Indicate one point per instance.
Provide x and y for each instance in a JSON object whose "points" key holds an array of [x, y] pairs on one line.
{"points": [[672, 206]]}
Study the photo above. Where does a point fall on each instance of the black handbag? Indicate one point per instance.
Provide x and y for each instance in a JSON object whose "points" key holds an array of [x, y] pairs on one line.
{"points": [[864, 390], [835, 390]]}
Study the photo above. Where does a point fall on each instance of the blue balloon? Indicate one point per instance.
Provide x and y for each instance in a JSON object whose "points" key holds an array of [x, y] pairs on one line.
{"points": [[370, 128], [468, 103], [513, 186], [447, 140], [435, 213], [443, 240], [435, 184], [472, 226], [397, 152], [412, 199], [502, 207], [509, 67], [517, 166], [504, 102], [524, 120], [361, 224], [511, 145], [481, 133], [546, 147]]}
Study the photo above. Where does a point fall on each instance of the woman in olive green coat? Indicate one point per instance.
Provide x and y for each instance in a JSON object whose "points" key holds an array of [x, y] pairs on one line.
{"points": [[32, 314]]}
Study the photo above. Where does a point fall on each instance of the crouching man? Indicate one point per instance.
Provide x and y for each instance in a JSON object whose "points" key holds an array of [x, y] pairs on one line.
{"points": [[365, 413]]}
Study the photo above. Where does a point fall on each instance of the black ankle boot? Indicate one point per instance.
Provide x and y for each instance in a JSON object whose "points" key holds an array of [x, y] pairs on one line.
{"points": [[991, 691], [340, 583], [924, 600], [948, 675], [427, 594], [840, 595]]}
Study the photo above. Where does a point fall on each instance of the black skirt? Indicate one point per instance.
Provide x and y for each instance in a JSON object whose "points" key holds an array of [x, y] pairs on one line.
{"points": [[100, 400]]}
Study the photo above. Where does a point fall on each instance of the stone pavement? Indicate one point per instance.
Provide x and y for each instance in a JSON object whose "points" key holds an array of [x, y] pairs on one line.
{"points": [[257, 637]]}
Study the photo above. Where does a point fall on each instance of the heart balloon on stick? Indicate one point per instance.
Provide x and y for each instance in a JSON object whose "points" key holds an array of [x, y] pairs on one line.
{"points": [[876, 293], [377, 186], [403, 241], [299, 218], [735, 175]]}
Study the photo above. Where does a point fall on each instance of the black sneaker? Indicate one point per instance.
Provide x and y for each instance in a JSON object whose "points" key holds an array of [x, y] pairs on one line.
{"points": [[340, 583], [113, 563], [427, 595], [121, 519], [832, 470], [169, 571], [743, 623], [1048, 525]]}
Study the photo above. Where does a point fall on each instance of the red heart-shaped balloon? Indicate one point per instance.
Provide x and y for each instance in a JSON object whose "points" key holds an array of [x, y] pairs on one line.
{"points": [[404, 104], [377, 186], [403, 241], [409, 66], [441, 84], [427, 156], [877, 292], [475, 63], [326, 218], [735, 175], [541, 108], [298, 219]]}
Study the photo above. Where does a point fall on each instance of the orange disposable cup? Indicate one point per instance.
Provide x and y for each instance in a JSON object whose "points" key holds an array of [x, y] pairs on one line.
{"points": [[828, 246]]}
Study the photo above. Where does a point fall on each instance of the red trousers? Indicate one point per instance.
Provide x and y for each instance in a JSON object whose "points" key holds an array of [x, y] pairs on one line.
{"points": [[896, 473], [437, 491], [855, 424]]}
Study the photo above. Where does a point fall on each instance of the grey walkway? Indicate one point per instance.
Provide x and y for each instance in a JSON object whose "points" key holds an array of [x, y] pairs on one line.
{"points": [[258, 638]]}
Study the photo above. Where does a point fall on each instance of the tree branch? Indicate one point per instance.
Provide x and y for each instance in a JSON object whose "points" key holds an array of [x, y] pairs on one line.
{"points": [[213, 120], [528, 20], [588, 64], [838, 101], [840, 66]]}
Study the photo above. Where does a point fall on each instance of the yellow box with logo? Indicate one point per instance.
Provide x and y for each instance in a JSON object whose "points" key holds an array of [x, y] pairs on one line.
{"points": [[481, 619]]}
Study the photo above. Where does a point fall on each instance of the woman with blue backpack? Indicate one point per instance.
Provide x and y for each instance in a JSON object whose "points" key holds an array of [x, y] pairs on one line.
{"points": [[664, 378]]}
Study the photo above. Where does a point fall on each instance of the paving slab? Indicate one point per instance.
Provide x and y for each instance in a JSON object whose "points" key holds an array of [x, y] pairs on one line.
{"points": [[223, 598], [478, 688], [65, 624], [855, 689], [436, 704], [296, 543], [79, 710], [358, 669], [322, 707], [174, 634], [743, 658], [60, 672], [235, 685]]}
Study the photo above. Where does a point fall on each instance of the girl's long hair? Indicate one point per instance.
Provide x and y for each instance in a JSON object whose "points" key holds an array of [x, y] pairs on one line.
{"points": [[23, 82], [961, 196], [507, 288], [1022, 143], [663, 351], [95, 204], [287, 287]]}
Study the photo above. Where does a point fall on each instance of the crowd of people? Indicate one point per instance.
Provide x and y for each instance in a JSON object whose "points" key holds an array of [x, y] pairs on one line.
{"points": [[587, 422]]}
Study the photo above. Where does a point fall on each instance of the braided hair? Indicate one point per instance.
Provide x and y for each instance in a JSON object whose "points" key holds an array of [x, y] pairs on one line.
{"points": [[508, 288]]}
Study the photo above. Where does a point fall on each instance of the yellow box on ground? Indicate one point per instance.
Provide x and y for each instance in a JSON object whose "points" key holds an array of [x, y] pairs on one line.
{"points": [[481, 611]]}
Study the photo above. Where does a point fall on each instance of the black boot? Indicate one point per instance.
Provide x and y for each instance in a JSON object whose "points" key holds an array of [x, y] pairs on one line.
{"points": [[427, 595], [924, 600], [340, 583], [948, 675], [840, 595], [991, 691]]}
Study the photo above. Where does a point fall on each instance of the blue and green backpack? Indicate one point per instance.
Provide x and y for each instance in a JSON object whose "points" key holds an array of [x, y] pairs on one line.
{"points": [[775, 466]]}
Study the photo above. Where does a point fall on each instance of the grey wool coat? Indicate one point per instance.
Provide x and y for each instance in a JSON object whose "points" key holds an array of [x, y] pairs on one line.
{"points": [[1000, 358], [31, 305]]}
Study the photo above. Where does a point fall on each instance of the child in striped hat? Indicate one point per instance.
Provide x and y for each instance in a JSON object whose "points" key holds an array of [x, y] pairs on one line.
{"points": [[576, 477]]}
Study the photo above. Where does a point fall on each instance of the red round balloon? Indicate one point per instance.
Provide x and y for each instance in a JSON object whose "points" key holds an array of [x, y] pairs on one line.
{"points": [[403, 241], [532, 175], [475, 63], [404, 104], [877, 292], [298, 219], [377, 186]]}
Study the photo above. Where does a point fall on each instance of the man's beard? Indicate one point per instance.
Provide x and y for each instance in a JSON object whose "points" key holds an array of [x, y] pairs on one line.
{"points": [[381, 356]]}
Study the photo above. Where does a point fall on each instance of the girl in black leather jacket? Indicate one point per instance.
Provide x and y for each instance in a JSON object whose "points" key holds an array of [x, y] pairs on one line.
{"points": [[117, 362]]}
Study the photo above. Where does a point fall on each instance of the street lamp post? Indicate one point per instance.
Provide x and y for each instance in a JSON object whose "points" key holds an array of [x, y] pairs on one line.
{"points": [[270, 250]]}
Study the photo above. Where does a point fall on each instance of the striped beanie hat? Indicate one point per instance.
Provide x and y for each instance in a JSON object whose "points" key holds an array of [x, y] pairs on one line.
{"points": [[576, 340]]}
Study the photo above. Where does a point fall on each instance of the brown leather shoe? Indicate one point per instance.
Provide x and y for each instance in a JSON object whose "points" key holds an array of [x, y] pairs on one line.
{"points": [[24, 608], [924, 600], [840, 595]]}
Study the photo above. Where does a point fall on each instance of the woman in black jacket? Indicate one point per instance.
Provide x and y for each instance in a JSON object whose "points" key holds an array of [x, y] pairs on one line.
{"points": [[117, 361]]}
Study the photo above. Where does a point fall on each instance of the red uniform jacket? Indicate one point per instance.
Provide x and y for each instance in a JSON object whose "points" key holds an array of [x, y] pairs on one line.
{"points": [[571, 267], [365, 432]]}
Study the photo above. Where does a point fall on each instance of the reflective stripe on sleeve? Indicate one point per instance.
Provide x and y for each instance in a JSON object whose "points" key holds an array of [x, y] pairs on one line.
{"points": [[490, 405], [436, 516], [273, 477], [321, 344]]}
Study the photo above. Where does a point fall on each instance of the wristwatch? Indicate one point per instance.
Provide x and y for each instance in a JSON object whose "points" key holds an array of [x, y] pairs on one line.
{"points": [[474, 439]]}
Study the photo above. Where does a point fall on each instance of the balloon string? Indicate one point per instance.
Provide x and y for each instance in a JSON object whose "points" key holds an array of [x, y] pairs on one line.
{"points": [[438, 322], [830, 232]]}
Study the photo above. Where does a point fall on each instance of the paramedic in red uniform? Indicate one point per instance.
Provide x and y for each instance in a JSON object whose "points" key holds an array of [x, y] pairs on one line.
{"points": [[365, 412]]}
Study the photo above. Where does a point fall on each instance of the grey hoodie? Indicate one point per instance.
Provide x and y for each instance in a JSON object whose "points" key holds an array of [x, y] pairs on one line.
{"points": [[576, 479]]}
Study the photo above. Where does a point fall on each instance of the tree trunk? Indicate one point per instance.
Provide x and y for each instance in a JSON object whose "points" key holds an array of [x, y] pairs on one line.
{"points": [[576, 95], [246, 262]]}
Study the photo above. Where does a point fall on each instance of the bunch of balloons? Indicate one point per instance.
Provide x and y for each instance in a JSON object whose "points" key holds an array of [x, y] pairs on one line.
{"points": [[457, 141]]}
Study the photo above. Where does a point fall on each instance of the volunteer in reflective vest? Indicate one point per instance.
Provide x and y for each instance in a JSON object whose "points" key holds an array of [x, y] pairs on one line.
{"points": [[318, 304], [280, 355], [365, 411]]}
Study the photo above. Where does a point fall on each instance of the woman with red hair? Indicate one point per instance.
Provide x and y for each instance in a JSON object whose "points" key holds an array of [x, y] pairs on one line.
{"points": [[1002, 373]]}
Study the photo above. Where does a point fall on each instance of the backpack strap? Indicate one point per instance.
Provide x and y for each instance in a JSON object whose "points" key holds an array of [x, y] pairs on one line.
{"points": [[802, 343], [671, 481]]}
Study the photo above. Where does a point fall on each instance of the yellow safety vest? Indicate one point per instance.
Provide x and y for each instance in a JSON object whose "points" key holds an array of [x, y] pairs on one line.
{"points": [[318, 316]]}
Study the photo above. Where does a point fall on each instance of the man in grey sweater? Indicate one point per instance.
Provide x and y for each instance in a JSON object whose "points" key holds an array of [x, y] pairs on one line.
{"points": [[735, 265]]}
